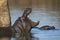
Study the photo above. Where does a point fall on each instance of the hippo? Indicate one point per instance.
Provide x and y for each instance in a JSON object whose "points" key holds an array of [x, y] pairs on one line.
{"points": [[23, 25], [47, 27]]}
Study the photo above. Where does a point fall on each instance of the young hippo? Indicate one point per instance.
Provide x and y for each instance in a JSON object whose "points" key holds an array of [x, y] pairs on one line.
{"points": [[47, 27], [23, 25]]}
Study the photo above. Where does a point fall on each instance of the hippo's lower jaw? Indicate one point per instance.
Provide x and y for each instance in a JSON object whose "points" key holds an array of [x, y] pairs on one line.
{"points": [[35, 23]]}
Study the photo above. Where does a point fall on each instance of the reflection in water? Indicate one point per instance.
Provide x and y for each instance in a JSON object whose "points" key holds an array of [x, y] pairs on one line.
{"points": [[40, 35], [18, 39], [13, 38]]}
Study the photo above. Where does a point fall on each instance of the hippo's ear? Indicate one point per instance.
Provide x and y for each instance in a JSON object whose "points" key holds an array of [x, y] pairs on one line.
{"points": [[35, 23]]}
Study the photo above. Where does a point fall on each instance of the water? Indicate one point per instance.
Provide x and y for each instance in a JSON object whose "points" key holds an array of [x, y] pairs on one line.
{"points": [[45, 34]]}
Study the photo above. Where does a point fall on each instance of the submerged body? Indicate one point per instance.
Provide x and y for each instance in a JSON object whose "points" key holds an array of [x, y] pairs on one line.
{"points": [[47, 27]]}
